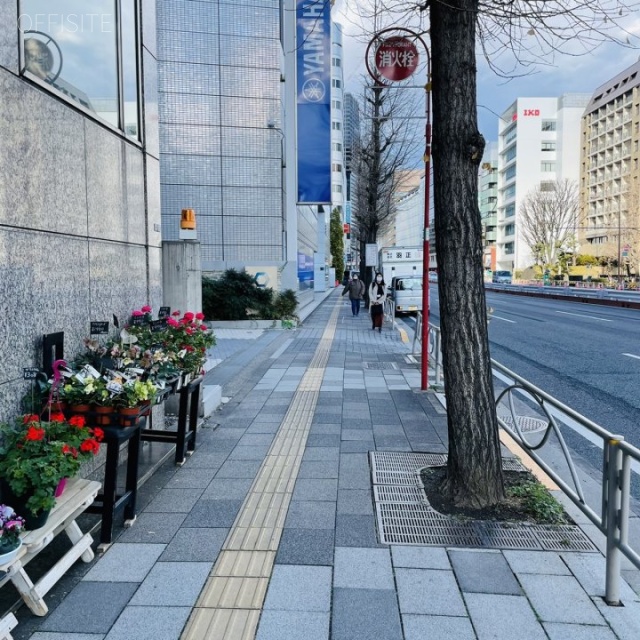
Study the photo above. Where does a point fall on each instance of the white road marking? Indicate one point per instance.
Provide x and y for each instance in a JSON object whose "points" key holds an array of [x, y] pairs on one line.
{"points": [[630, 355], [504, 319], [582, 315]]}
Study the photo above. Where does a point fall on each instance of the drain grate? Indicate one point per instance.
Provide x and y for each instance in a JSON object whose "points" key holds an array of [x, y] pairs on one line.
{"points": [[405, 517], [527, 424], [402, 494], [379, 365]]}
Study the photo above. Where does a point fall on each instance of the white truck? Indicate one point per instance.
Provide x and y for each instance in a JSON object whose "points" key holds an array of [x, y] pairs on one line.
{"points": [[402, 270]]}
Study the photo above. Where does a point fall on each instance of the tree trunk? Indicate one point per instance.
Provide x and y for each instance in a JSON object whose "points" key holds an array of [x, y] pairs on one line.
{"points": [[474, 471]]}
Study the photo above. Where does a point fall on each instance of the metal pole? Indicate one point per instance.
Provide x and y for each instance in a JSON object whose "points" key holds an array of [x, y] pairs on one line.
{"points": [[425, 250], [614, 503]]}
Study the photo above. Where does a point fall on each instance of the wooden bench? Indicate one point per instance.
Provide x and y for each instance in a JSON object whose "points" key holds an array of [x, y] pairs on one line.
{"points": [[78, 495], [7, 623]]}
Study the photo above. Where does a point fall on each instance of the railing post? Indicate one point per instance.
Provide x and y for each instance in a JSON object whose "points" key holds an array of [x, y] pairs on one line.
{"points": [[614, 503]]}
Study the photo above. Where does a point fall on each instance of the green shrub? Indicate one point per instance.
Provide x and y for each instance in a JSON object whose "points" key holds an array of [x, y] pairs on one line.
{"points": [[236, 296]]}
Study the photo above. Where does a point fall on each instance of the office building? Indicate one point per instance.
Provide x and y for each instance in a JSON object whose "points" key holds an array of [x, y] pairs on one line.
{"points": [[488, 203], [610, 175], [538, 144], [80, 221]]}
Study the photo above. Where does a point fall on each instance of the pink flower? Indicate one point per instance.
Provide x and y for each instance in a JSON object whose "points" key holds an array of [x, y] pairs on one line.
{"points": [[175, 313], [146, 309], [137, 313], [200, 316], [172, 322], [188, 317]]}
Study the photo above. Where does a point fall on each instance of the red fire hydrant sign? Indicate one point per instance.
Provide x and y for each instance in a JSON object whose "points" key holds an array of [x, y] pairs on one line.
{"points": [[396, 58]]}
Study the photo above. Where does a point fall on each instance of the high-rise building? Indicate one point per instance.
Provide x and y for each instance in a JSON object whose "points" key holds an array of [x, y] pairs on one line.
{"points": [[351, 132], [488, 203], [539, 143], [610, 175]]}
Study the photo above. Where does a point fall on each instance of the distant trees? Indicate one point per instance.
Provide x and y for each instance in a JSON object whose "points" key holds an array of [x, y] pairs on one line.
{"points": [[336, 242], [548, 220]]}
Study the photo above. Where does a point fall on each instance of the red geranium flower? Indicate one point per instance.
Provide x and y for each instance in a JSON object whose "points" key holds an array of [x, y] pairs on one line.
{"points": [[146, 309], [57, 417], [188, 317], [30, 419], [203, 328], [77, 421], [137, 313], [200, 316], [176, 313], [90, 445], [98, 433], [34, 433], [72, 450]]}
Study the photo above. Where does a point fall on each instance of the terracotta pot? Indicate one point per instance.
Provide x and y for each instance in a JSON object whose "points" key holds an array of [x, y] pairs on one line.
{"points": [[79, 408], [104, 415], [147, 408], [129, 416]]}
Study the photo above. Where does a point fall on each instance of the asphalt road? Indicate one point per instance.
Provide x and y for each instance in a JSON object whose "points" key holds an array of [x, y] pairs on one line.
{"points": [[586, 356]]}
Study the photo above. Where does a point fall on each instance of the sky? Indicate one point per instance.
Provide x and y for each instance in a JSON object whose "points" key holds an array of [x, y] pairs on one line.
{"points": [[568, 73]]}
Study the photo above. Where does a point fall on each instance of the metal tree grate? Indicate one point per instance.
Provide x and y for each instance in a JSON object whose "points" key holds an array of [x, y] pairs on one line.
{"points": [[379, 365], [404, 515], [403, 494]]}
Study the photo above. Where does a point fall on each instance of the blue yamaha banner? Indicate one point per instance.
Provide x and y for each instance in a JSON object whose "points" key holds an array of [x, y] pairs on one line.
{"points": [[313, 68]]}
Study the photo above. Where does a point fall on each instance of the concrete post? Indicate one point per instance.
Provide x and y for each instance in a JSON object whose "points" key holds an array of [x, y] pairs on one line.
{"points": [[182, 275]]}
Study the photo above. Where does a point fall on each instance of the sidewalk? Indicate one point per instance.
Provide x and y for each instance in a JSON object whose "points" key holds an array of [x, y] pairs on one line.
{"points": [[269, 530]]}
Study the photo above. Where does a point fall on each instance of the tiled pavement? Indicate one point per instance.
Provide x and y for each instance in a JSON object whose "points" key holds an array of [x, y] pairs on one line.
{"points": [[315, 569]]}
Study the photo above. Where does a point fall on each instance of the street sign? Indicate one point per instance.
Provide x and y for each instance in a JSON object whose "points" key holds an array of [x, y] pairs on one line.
{"points": [[371, 255], [396, 58]]}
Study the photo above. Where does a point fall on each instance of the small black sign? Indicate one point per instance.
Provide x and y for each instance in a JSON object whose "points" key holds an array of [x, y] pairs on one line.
{"points": [[158, 325], [116, 322], [99, 328], [30, 373], [138, 321], [164, 312]]}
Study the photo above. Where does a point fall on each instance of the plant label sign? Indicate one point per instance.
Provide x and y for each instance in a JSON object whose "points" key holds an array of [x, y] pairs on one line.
{"points": [[158, 325], [138, 321], [30, 373], [164, 312], [99, 328]]}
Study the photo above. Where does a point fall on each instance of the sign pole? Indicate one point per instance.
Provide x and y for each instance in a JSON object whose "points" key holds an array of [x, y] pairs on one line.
{"points": [[395, 59]]}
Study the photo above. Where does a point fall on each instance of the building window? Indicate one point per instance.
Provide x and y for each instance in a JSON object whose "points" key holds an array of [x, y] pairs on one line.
{"points": [[547, 166], [336, 146], [73, 51], [336, 166], [510, 192], [510, 173], [510, 210], [547, 185], [509, 230], [337, 188], [336, 62], [336, 84], [336, 104], [508, 248], [510, 154], [336, 126], [548, 146], [548, 125]]}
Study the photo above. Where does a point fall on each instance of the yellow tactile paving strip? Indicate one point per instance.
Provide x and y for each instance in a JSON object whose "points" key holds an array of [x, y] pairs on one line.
{"points": [[231, 601]]}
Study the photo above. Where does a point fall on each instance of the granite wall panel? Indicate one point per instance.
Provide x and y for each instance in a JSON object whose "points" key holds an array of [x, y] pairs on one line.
{"points": [[115, 187], [9, 40], [154, 217], [155, 279], [41, 161]]}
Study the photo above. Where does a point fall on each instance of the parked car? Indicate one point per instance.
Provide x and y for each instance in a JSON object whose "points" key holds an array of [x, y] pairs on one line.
{"points": [[502, 277]]}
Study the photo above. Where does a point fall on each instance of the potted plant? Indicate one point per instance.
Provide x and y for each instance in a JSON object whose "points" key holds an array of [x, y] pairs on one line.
{"points": [[79, 393], [35, 456], [11, 526], [135, 395]]}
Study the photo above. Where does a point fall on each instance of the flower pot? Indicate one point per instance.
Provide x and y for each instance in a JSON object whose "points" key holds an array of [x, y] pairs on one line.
{"points": [[9, 552], [129, 416], [79, 408], [146, 408], [104, 415], [19, 503], [60, 488]]}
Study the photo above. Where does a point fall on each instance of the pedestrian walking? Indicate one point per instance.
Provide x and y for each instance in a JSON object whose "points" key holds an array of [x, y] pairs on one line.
{"points": [[377, 296], [356, 289]]}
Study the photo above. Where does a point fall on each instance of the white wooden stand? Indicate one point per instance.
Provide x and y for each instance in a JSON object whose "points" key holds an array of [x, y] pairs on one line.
{"points": [[78, 495], [7, 623]]}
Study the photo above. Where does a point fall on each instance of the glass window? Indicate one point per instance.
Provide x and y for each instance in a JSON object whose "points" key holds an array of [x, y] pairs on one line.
{"points": [[548, 146], [510, 192], [336, 146], [336, 62], [509, 229], [336, 126], [336, 84], [510, 210], [510, 153], [73, 48], [336, 166], [510, 173], [336, 104], [547, 166], [548, 125]]}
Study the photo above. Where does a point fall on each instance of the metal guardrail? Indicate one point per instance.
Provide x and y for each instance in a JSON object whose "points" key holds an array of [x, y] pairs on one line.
{"points": [[533, 432], [435, 353], [592, 293]]}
